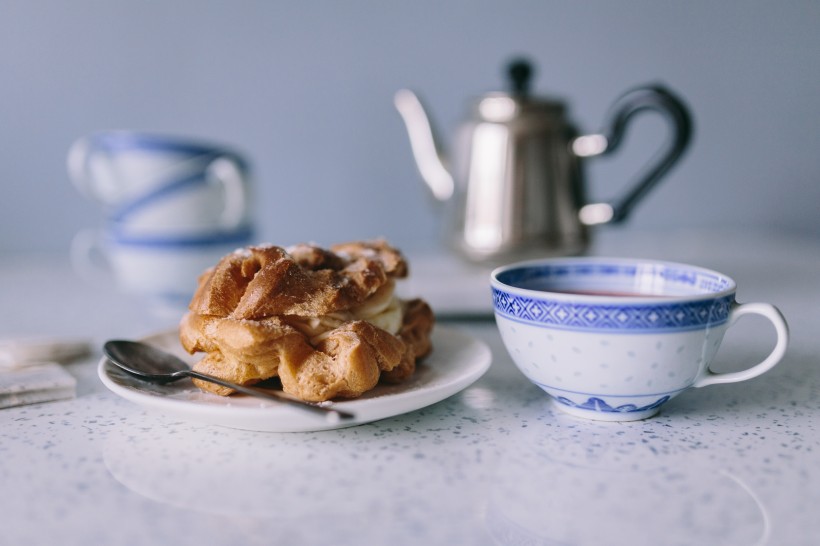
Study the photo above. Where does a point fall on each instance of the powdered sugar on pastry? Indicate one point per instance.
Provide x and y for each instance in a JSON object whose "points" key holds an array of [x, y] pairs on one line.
{"points": [[327, 322]]}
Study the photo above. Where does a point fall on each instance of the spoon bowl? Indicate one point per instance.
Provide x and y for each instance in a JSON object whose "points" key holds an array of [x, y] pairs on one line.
{"points": [[157, 366]]}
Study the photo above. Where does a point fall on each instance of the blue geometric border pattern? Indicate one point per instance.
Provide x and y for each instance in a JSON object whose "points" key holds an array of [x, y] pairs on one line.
{"points": [[602, 317], [596, 404]]}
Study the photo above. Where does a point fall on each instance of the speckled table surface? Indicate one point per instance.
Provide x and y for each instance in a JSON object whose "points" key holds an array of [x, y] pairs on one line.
{"points": [[731, 464]]}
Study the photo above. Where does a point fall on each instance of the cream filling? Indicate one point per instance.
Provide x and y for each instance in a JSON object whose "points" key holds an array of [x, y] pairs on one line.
{"points": [[382, 309]]}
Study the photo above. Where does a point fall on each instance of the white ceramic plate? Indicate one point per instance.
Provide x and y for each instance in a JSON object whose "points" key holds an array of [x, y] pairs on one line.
{"points": [[457, 360]]}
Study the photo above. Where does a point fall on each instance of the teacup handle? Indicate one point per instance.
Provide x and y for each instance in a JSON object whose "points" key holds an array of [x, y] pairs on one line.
{"points": [[77, 163], [231, 175], [80, 155], [781, 328]]}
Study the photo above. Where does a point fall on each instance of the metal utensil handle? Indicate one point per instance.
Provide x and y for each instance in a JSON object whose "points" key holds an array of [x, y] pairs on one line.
{"points": [[329, 412], [655, 98]]}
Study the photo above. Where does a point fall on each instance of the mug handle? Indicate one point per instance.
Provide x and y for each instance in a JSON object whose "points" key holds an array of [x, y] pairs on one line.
{"points": [[653, 98], [781, 328], [77, 165], [78, 160], [231, 175]]}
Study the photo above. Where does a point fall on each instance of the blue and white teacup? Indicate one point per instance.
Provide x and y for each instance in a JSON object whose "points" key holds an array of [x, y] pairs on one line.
{"points": [[151, 184], [161, 269], [172, 207], [615, 339]]}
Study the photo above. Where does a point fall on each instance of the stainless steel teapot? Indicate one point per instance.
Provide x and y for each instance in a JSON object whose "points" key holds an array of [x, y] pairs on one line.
{"points": [[515, 183]]}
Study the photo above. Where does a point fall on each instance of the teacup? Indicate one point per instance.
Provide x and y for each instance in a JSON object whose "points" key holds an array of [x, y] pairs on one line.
{"points": [[615, 339], [172, 207], [163, 269], [149, 182]]}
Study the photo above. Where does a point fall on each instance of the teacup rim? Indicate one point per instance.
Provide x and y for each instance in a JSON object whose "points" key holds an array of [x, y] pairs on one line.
{"points": [[208, 237], [730, 289], [176, 142]]}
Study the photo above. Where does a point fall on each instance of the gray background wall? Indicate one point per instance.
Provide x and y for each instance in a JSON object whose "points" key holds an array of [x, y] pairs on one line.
{"points": [[305, 89]]}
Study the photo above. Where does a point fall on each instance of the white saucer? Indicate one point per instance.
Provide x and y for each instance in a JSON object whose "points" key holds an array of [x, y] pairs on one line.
{"points": [[457, 360]]}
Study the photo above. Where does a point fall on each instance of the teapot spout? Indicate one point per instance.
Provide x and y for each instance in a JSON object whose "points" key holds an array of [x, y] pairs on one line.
{"points": [[424, 144]]}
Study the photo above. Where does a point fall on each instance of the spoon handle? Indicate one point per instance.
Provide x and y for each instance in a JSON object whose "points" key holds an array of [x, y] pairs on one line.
{"points": [[331, 414]]}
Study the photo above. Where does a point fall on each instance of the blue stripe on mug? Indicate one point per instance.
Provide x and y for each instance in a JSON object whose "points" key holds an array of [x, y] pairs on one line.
{"points": [[130, 207], [239, 236], [126, 140]]}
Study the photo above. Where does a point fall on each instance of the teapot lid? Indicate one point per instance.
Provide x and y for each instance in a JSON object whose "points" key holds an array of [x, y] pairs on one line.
{"points": [[504, 106]]}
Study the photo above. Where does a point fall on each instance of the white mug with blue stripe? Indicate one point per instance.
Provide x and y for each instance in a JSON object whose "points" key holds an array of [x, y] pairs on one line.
{"points": [[151, 183], [172, 207], [162, 269], [615, 339]]}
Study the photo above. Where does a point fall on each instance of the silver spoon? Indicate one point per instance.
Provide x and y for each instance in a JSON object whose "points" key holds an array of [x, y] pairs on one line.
{"points": [[157, 366]]}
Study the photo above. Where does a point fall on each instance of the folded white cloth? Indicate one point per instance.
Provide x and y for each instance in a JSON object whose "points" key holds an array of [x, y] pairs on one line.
{"points": [[30, 372], [22, 352], [43, 382]]}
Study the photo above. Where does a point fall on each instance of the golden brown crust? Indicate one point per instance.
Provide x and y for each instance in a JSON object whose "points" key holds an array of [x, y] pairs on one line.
{"points": [[391, 259], [415, 333], [249, 310], [264, 281]]}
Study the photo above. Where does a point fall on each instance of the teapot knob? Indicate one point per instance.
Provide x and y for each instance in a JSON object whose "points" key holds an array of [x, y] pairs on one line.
{"points": [[520, 73]]}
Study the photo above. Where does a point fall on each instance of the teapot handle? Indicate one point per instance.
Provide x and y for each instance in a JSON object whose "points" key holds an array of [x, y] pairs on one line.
{"points": [[645, 98]]}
